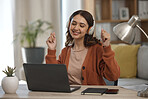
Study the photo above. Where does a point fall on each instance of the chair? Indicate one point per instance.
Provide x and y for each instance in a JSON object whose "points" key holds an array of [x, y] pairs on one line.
{"points": [[111, 83]]}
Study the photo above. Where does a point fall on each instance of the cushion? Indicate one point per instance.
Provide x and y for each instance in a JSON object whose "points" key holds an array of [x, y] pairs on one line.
{"points": [[131, 81], [143, 62], [126, 57]]}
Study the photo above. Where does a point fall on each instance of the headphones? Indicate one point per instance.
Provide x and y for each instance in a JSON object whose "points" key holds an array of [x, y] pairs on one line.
{"points": [[90, 30]]}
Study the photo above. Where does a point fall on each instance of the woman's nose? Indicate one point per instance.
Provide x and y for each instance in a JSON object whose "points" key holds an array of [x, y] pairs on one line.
{"points": [[76, 27]]}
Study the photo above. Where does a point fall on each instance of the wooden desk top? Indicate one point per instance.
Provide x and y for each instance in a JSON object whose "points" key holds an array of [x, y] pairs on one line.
{"points": [[23, 92]]}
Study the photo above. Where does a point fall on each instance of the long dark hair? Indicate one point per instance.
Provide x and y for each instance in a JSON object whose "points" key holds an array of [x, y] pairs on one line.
{"points": [[89, 40]]}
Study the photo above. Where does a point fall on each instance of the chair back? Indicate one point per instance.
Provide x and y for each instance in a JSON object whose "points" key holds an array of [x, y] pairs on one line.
{"points": [[111, 83]]}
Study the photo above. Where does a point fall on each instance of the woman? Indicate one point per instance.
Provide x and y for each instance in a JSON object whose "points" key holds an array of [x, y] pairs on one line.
{"points": [[87, 59]]}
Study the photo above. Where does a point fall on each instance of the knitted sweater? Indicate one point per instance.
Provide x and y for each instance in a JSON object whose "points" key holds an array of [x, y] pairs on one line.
{"points": [[98, 63]]}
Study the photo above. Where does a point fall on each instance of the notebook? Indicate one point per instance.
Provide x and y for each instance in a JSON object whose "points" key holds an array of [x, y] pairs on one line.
{"points": [[48, 77]]}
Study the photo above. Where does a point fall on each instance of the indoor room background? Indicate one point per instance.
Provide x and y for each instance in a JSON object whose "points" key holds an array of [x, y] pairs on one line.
{"points": [[14, 13]]}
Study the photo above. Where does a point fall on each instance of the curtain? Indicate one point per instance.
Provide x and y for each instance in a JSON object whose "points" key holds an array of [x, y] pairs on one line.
{"points": [[31, 10]]}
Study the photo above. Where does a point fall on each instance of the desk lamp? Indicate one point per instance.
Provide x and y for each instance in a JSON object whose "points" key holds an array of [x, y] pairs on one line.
{"points": [[124, 31]]}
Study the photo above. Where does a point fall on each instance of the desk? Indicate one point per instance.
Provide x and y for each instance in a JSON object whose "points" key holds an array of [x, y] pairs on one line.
{"points": [[23, 92]]}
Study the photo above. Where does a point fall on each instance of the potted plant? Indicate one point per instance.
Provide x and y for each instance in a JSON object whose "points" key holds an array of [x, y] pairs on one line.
{"points": [[10, 82], [29, 35]]}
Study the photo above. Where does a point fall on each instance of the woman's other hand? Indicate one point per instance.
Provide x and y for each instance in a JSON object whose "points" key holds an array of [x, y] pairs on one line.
{"points": [[105, 38], [51, 41]]}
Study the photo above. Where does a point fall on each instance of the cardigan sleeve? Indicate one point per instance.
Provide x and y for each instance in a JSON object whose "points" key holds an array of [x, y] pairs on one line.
{"points": [[51, 56], [108, 65]]}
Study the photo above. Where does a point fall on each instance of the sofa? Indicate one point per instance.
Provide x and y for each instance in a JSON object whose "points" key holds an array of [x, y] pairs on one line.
{"points": [[133, 62]]}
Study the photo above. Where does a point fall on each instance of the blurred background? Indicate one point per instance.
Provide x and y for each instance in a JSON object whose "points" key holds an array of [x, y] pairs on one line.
{"points": [[15, 13]]}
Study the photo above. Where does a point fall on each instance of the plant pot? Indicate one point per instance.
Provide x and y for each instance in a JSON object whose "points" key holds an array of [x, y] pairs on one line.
{"points": [[34, 55], [10, 84]]}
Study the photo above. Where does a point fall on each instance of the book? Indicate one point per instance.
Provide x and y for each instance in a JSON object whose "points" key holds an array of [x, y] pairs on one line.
{"points": [[97, 91]]}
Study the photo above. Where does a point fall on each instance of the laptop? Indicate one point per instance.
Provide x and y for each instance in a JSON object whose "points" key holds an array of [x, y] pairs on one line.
{"points": [[48, 77]]}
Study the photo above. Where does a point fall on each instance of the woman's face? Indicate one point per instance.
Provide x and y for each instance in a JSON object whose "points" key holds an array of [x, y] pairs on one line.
{"points": [[78, 27]]}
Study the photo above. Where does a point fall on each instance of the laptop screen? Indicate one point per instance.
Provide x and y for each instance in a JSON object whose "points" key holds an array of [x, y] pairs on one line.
{"points": [[47, 77]]}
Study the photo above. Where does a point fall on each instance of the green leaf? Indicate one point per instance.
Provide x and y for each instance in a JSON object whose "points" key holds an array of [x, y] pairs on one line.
{"points": [[9, 71], [31, 30]]}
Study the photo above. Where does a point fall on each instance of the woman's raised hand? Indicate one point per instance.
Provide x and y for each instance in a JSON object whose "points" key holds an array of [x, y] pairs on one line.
{"points": [[105, 38], [51, 41]]}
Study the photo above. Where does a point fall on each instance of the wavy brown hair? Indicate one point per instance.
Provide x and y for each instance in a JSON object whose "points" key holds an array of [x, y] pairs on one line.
{"points": [[89, 40]]}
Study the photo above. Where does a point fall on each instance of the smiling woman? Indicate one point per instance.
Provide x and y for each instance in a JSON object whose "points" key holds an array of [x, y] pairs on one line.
{"points": [[87, 59], [6, 38]]}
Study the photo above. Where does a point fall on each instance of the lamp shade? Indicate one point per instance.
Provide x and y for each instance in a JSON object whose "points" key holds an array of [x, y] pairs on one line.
{"points": [[124, 31]]}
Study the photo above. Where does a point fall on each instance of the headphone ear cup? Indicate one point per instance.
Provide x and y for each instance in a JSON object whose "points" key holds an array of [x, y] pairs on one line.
{"points": [[91, 30]]}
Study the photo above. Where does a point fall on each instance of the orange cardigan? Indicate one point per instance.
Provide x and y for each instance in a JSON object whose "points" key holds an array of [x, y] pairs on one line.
{"points": [[99, 62]]}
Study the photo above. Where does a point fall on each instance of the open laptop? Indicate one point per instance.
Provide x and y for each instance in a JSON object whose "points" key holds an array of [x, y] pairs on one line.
{"points": [[48, 77]]}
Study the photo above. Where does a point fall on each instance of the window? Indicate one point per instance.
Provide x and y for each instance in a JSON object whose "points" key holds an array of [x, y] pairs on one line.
{"points": [[6, 38]]}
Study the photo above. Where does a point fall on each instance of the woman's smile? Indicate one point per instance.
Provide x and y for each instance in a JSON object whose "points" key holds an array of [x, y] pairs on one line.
{"points": [[74, 32]]}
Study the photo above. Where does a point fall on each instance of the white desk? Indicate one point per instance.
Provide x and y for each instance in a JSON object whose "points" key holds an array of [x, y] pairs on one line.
{"points": [[23, 92]]}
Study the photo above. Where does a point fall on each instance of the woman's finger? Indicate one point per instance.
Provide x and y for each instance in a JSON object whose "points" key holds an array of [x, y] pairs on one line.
{"points": [[102, 35], [51, 37], [105, 36]]}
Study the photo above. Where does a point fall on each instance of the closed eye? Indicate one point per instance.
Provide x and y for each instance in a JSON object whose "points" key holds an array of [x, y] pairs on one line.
{"points": [[82, 25], [74, 23]]}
